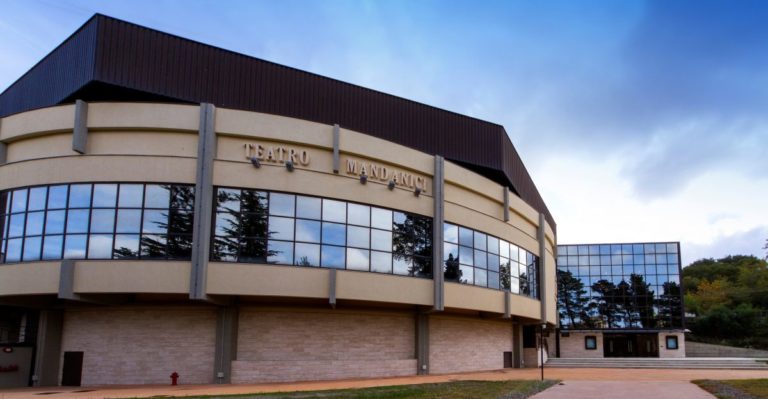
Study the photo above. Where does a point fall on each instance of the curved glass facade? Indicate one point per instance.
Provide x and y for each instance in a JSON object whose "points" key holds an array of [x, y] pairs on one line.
{"points": [[473, 257], [255, 226], [97, 221]]}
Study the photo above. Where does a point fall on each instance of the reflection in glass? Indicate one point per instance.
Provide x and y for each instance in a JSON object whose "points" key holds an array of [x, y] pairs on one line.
{"points": [[19, 203], [467, 275], [465, 256], [334, 233], [281, 228], [154, 246], [358, 259], [104, 195], [480, 241], [129, 221], [54, 222], [308, 231], [131, 195], [381, 218], [253, 250], [334, 211], [57, 197], [493, 280], [359, 214], [102, 220], [13, 250], [280, 252], [34, 223], [80, 196], [126, 246], [282, 204], [481, 277], [332, 257], [100, 246], [16, 225], [358, 237], [381, 240], [480, 259], [37, 198], [381, 262], [401, 266], [307, 254], [155, 222], [74, 246], [308, 207], [466, 237], [32, 248], [157, 196], [52, 246], [77, 221], [451, 233]]}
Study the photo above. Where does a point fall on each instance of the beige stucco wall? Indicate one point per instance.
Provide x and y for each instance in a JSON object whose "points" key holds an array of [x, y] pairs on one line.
{"points": [[142, 345], [573, 346], [158, 143], [295, 345], [460, 344], [665, 352], [31, 278]]}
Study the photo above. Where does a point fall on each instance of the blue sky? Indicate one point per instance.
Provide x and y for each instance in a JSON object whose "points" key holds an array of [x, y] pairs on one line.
{"points": [[638, 120]]}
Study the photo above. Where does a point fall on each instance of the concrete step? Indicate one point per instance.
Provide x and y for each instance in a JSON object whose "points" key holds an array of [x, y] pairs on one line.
{"points": [[670, 363]]}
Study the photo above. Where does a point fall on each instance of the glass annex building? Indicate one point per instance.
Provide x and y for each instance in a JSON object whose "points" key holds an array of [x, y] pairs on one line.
{"points": [[251, 222], [620, 300]]}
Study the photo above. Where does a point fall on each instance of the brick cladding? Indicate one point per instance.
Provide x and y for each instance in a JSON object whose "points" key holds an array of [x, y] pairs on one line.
{"points": [[142, 346], [467, 344], [321, 345]]}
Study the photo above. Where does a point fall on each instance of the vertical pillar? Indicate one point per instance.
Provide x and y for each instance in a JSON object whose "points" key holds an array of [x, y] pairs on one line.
{"points": [[438, 193], [48, 352], [3, 147], [227, 324], [543, 292], [332, 288], [422, 344], [67, 280], [506, 204], [80, 132], [517, 345], [507, 305], [336, 142], [201, 232]]}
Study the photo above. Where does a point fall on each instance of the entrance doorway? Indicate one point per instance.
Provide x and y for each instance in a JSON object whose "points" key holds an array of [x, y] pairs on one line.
{"points": [[630, 345], [73, 369]]}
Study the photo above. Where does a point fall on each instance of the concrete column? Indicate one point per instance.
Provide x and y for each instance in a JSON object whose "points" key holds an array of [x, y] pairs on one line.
{"points": [[517, 345], [201, 233], [438, 193], [332, 288], [544, 295], [422, 344], [336, 143], [67, 280], [506, 204], [48, 355], [227, 324], [80, 132]]}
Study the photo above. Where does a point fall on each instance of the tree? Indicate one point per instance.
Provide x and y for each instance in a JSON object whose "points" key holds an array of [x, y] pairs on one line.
{"points": [[605, 304], [411, 241], [670, 306], [452, 269], [572, 301]]}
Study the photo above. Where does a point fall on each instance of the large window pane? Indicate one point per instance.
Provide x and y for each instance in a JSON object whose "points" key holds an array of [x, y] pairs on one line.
{"points": [[481, 259], [74, 246], [280, 252], [281, 228], [52, 246], [154, 246], [381, 218], [34, 223], [157, 196], [155, 221], [104, 195], [37, 198], [57, 197], [381, 240], [308, 207], [307, 255], [466, 237], [332, 257], [359, 214], [54, 222], [16, 225], [32, 248], [129, 221], [254, 202], [183, 198], [465, 256], [282, 204], [13, 250], [308, 231], [19, 203], [102, 220], [334, 233], [334, 211], [126, 246], [451, 233], [358, 259], [493, 245], [381, 262], [467, 275], [131, 195], [77, 221], [252, 250], [481, 277], [401, 266], [480, 241], [358, 237], [80, 196], [100, 246]]}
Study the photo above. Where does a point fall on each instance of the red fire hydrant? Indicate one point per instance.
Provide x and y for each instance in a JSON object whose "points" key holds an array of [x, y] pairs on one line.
{"points": [[174, 378]]}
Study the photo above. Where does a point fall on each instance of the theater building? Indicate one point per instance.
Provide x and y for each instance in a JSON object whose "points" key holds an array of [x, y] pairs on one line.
{"points": [[620, 300], [168, 206]]}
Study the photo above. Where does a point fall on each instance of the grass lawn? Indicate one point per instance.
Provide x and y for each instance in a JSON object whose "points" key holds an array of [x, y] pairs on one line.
{"points": [[446, 390], [736, 389]]}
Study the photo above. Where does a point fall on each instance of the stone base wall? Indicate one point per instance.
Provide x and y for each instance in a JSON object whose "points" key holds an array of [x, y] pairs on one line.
{"points": [[302, 345], [459, 344], [142, 346], [666, 352], [573, 346]]}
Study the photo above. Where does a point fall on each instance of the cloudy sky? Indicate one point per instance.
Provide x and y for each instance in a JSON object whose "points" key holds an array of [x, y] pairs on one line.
{"points": [[638, 120]]}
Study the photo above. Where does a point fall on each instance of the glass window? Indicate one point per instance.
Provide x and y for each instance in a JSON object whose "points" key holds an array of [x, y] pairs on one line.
{"points": [[493, 263], [154, 246], [54, 222], [466, 237], [19, 203], [381, 240], [332, 257], [74, 246], [381, 218], [104, 195], [672, 342], [280, 252], [155, 221], [465, 256], [80, 196], [493, 245], [400, 265], [307, 254], [308, 207], [493, 280], [16, 225], [358, 259], [129, 221], [251, 250], [100, 246], [334, 211], [157, 196], [381, 262], [480, 241], [126, 246], [102, 221], [34, 223], [467, 274], [32, 248], [13, 250], [37, 196], [451, 233], [590, 342], [183, 198], [334, 233], [52, 247], [57, 197], [359, 214], [358, 237], [481, 277], [281, 228], [282, 204], [77, 221], [308, 231], [228, 200], [480, 259]]}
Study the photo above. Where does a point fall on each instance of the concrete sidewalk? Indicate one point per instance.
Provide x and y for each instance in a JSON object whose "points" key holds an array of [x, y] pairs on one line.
{"points": [[625, 389], [570, 376]]}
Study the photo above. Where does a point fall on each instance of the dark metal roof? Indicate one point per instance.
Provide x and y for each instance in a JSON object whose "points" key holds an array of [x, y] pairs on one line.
{"points": [[112, 60]]}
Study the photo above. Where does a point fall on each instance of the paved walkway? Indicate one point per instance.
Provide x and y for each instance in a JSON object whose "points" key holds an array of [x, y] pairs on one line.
{"points": [[572, 378], [624, 389]]}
